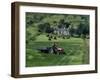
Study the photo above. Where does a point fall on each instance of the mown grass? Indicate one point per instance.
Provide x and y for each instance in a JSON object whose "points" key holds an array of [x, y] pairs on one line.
{"points": [[75, 49]]}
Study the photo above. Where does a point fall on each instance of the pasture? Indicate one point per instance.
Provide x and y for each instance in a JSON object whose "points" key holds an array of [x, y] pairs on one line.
{"points": [[68, 32], [76, 49]]}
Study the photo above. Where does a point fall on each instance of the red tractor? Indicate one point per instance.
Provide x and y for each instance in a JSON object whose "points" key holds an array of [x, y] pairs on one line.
{"points": [[52, 50]]}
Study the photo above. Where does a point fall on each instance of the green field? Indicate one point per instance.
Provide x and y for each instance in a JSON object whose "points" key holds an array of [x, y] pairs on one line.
{"points": [[43, 29], [76, 49]]}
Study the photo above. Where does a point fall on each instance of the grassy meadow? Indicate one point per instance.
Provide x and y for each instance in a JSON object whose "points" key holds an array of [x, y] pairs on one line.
{"points": [[76, 49]]}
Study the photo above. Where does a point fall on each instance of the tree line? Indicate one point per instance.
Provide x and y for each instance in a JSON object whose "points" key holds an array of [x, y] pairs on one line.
{"points": [[46, 23]]}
